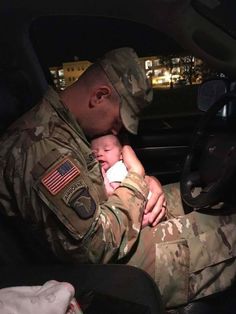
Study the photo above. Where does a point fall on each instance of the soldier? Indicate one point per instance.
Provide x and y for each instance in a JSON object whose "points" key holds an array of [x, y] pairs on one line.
{"points": [[50, 178]]}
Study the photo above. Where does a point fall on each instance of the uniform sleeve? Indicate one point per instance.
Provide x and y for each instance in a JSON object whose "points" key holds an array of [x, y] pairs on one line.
{"points": [[78, 225]]}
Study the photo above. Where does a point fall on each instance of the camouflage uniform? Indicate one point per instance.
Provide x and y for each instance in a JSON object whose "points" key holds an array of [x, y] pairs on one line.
{"points": [[190, 256], [80, 224], [48, 176]]}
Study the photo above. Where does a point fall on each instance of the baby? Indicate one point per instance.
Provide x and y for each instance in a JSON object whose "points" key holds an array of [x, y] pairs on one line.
{"points": [[108, 152]]}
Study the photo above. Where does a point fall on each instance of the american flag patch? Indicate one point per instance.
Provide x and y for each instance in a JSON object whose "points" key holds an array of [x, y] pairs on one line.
{"points": [[60, 176]]}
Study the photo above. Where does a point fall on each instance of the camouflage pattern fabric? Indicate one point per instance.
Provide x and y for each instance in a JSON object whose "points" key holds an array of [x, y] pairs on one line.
{"points": [[49, 177], [190, 256], [124, 71], [56, 183]]}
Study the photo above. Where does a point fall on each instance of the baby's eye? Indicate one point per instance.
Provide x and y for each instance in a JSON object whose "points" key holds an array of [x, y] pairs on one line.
{"points": [[107, 150]]}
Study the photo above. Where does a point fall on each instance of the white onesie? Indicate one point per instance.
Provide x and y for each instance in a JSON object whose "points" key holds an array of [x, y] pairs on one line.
{"points": [[117, 172]]}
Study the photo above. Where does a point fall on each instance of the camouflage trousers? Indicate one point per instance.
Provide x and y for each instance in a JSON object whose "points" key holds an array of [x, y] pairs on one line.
{"points": [[190, 256]]}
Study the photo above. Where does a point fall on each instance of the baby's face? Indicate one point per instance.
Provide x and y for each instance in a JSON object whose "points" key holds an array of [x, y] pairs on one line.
{"points": [[107, 150]]}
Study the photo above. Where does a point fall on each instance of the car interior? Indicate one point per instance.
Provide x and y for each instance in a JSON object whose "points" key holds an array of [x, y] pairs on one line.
{"points": [[187, 134]]}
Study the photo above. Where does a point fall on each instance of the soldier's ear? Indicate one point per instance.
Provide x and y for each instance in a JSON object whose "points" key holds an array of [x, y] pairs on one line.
{"points": [[99, 95]]}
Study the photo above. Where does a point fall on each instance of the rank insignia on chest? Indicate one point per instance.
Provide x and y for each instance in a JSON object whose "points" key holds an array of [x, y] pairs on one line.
{"points": [[60, 176]]}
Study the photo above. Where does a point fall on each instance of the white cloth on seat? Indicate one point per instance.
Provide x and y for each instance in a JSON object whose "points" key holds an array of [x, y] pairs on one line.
{"points": [[51, 298]]}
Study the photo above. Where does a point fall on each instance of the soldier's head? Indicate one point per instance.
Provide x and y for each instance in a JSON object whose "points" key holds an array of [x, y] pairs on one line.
{"points": [[110, 94]]}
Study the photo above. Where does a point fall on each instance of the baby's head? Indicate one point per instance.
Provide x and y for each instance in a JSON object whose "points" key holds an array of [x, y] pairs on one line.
{"points": [[107, 150]]}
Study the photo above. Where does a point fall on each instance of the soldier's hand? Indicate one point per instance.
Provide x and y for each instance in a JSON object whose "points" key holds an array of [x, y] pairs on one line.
{"points": [[156, 206], [131, 161]]}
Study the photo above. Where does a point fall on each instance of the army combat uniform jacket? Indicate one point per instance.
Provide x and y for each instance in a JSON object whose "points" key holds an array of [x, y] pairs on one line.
{"points": [[51, 179], [56, 183]]}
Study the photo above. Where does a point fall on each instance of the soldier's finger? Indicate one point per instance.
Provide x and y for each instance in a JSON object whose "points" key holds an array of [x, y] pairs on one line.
{"points": [[151, 203], [159, 217], [156, 209], [156, 199]]}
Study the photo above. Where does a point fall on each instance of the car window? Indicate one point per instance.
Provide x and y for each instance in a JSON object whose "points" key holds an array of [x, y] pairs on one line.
{"points": [[67, 45]]}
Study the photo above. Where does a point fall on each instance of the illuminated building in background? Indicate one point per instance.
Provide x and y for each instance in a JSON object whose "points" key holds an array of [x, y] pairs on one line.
{"points": [[57, 74], [172, 71], [162, 71], [68, 73], [73, 70]]}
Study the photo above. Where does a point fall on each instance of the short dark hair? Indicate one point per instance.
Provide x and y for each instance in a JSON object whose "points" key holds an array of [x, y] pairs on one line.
{"points": [[95, 74]]}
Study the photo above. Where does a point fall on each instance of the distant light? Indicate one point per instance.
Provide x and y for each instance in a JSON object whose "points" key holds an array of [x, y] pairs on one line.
{"points": [[167, 76]]}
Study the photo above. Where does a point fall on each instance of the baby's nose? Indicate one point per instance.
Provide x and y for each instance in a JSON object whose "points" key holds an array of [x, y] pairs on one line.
{"points": [[99, 153]]}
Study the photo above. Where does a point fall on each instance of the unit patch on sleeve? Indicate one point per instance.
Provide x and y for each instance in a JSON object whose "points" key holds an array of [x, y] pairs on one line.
{"points": [[60, 176], [83, 203], [77, 196]]}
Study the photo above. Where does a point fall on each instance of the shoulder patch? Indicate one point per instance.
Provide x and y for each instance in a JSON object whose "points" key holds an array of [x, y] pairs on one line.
{"points": [[77, 196], [63, 173], [83, 203]]}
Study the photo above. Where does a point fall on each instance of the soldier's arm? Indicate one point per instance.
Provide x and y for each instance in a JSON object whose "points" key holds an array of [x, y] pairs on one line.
{"points": [[79, 226]]}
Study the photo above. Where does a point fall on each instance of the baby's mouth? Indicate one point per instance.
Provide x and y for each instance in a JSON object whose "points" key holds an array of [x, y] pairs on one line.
{"points": [[103, 163]]}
